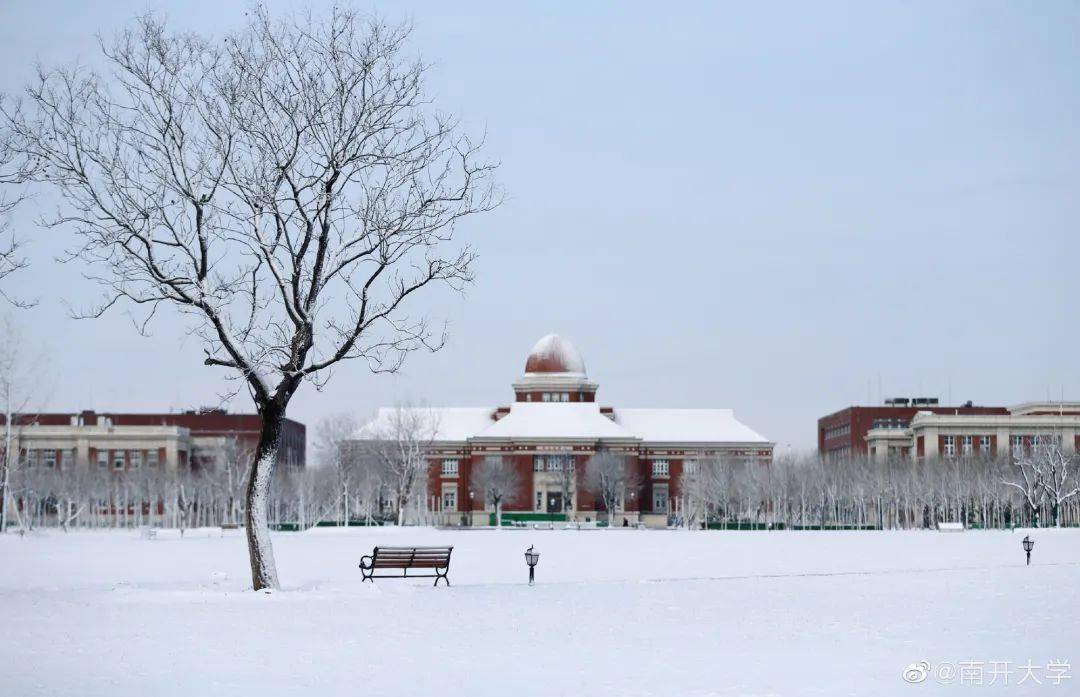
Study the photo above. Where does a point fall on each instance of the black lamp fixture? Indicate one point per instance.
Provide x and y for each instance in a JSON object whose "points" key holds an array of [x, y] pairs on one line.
{"points": [[1029, 544], [532, 559]]}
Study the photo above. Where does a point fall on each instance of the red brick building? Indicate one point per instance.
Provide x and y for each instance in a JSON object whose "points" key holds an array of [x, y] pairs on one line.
{"points": [[120, 441], [552, 429], [843, 433]]}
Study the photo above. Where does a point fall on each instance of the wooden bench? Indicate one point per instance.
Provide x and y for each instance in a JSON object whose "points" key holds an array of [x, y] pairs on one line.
{"points": [[404, 558]]}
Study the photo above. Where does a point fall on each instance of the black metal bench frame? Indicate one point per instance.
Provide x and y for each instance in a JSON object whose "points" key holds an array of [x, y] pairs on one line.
{"points": [[369, 563]]}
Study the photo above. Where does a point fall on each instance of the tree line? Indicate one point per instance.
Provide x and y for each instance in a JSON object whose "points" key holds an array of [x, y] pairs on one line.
{"points": [[385, 481]]}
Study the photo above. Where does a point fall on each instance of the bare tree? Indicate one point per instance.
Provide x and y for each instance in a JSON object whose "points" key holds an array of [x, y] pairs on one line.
{"points": [[333, 436], [16, 380], [703, 488], [608, 478], [1055, 468], [401, 441], [567, 483], [495, 478], [11, 256], [1031, 483], [286, 189], [370, 484]]}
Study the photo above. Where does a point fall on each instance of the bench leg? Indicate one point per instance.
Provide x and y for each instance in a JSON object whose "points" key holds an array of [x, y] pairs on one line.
{"points": [[442, 576]]}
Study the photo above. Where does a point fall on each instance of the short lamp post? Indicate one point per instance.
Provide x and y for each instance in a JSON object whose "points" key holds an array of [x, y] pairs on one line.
{"points": [[1029, 544], [532, 559]]}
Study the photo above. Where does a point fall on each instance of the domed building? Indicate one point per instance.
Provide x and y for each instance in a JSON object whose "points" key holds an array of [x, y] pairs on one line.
{"points": [[548, 436]]}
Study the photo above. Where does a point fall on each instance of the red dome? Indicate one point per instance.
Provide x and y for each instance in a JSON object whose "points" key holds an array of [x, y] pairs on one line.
{"points": [[554, 354]]}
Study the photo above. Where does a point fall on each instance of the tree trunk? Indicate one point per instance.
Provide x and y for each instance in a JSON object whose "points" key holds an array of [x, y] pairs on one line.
{"points": [[256, 518]]}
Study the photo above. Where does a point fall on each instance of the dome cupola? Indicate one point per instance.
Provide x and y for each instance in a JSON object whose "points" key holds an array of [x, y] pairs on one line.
{"points": [[554, 372], [554, 354]]}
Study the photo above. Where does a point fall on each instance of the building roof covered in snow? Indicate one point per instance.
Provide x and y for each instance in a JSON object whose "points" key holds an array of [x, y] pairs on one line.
{"points": [[556, 400], [686, 426], [429, 423], [540, 420]]}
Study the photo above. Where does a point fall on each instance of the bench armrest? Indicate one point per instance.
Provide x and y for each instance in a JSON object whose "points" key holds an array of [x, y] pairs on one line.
{"points": [[366, 565]]}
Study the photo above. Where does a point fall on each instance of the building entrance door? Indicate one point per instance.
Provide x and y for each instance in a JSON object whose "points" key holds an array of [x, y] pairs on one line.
{"points": [[554, 502]]}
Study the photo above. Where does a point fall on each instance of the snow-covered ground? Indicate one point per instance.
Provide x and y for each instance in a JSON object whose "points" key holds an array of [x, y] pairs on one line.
{"points": [[614, 612]]}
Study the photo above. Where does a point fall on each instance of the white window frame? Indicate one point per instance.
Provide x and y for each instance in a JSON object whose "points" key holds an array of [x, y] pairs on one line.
{"points": [[538, 463], [449, 500], [547, 397], [689, 466], [48, 458], [450, 467], [114, 460], [153, 458], [661, 468], [1017, 446], [984, 445], [657, 490], [948, 445], [539, 501], [967, 445], [67, 458], [103, 459], [135, 458]]}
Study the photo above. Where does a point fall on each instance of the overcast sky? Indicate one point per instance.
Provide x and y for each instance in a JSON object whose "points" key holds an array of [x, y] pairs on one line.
{"points": [[775, 209]]}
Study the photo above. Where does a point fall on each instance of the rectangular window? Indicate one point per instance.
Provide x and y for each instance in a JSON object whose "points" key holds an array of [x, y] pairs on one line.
{"points": [[135, 457], [449, 499], [566, 396], [103, 459], [118, 459], [660, 468], [67, 459], [538, 463], [966, 445], [48, 458], [539, 500], [949, 445], [660, 499], [450, 467], [689, 466], [1018, 446], [31, 457], [152, 458], [984, 445], [547, 396]]}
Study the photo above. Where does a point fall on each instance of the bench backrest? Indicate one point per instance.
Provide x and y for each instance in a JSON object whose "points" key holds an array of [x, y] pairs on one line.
{"points": [[411, 557]]}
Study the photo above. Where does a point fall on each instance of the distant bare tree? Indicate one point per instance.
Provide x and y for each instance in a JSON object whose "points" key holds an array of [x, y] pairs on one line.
{"points": [[287, 189], [1031, 482], [11, 257], [608, 477], [567, 483], [495, 478], [333, 436], [703, 488], [401, 444], [16, 387], [1054, 474], [370, 481]]}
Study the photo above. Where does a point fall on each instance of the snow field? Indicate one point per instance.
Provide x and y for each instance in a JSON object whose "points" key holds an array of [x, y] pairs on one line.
{"points": [[619, 612]]}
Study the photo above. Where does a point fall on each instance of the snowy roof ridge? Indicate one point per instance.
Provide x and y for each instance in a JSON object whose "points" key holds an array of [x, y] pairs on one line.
{"points": [[682, 425], [574, 421], [570, 420], [448, 423]]}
